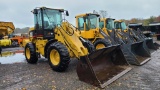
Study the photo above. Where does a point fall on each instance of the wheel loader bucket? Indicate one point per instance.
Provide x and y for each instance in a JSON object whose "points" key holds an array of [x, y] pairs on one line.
{"points": [[140, 50], [150, 44], [130, 57], [157, 45], [102, 67]]}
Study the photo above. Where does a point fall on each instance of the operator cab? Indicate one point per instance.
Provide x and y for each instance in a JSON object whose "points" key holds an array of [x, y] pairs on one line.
{"points": [[87, 21], [107, 23], [46, 20], [120, 25], [88, 24]]}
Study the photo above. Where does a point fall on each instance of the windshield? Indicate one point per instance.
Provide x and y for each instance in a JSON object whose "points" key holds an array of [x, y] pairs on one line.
{"points": [[92, 22], [110, 24], [51, 18], [117, 25], [123, 25], [101, 24]]}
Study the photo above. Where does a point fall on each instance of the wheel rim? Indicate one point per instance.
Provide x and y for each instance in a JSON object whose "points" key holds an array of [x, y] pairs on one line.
{"points": [[28, 53], [54, 57], [99, 46]]}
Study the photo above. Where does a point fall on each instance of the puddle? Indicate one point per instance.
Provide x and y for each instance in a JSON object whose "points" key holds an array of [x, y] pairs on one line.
{"points": [[9, 57]]}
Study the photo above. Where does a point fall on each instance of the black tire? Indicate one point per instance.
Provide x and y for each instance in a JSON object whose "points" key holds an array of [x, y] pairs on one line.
{"points": [[64, 56], [101, 41], [33, 56]]}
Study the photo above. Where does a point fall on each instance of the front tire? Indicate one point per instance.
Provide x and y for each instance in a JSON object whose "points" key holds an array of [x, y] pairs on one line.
{"points": [[101, 43], [30, 53], [58, 56]]}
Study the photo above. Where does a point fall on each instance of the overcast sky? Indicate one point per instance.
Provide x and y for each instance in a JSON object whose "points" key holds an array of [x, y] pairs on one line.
{"points": [[18, 11]]}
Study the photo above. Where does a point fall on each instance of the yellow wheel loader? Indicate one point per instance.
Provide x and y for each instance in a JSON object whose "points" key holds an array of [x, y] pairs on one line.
{"points": [[58, 41], [138, 46], [130, 49], [137, 35], [144, 33], [88, 24]]}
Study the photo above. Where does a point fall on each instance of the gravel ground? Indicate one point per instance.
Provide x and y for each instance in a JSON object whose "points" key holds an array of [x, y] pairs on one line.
{"points": [[40, 76]]}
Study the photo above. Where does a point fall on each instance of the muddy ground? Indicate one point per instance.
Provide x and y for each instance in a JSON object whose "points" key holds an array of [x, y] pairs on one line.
{"points": [[40, 76]]}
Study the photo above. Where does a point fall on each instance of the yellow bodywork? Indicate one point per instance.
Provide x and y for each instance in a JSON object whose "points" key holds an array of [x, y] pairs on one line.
{"points": [[40, 44], [28, 53], [6, 28], [55, 57], [92, 34], [72, 42], [75, 46], [99, 46], [5, 42], [24, 42]]}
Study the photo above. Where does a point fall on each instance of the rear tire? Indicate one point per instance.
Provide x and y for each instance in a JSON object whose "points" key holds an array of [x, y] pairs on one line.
{"points": [[58, 56], [30, 53], [101, 43]]}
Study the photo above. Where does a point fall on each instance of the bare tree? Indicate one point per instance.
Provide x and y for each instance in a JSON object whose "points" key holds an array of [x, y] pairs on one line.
{"points": [[95, 12], [102, 13]]}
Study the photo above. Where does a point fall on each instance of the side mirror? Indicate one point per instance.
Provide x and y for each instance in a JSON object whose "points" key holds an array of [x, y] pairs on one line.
{"points": [[67, 13], [35, 11]]}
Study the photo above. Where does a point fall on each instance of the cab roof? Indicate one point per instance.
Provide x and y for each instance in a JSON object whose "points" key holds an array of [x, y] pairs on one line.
{"points": [[62, 10], [86, 14], [104, 19]]}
